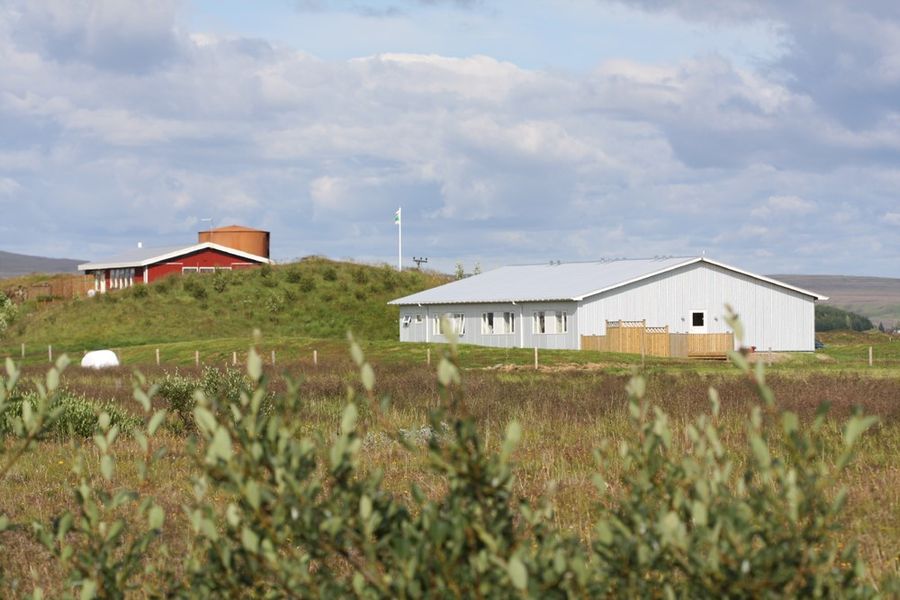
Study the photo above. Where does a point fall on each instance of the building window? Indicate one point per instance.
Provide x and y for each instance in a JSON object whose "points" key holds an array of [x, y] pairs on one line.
{"points": [[562, 322], [487, 323], [698, 319], [509, 322], [539, 324], [207, 269], [550, 321], [407, 320], [457, 322], [418, 318], [188, 270]]}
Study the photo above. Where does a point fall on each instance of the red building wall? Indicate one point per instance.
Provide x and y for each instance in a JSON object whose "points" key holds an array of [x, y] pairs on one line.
{"points": [[208, 257]]}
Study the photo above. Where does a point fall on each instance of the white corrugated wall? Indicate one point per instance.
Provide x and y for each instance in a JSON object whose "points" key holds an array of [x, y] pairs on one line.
{"points": [[412, 330], [773, 317]]}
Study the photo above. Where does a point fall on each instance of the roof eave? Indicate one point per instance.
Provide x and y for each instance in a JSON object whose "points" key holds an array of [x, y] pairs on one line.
{"points": [[181, 252]]}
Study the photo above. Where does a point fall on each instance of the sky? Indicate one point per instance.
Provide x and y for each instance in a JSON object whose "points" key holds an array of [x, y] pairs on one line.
{"points": [[761, 133]]}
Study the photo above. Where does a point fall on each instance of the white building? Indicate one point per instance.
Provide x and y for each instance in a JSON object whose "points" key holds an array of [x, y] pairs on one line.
{"points": [[553, 305]]}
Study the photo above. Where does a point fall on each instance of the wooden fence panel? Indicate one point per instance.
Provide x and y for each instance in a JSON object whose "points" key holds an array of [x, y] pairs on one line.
{"points": [[710, 343], [678, 345], [657, 341], [656, 344]]}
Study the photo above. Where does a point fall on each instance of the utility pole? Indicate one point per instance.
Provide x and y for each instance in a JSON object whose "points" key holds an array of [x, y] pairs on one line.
{"points": [[419, 262], [398, 221]]}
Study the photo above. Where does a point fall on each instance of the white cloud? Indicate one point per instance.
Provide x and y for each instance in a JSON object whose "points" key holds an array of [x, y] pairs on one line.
{"points": [[891, 218], [491, 161], [783, 205]]}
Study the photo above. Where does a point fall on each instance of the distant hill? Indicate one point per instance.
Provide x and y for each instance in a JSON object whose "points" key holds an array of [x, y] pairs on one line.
{"points": [[875, 297], [13, 265]]}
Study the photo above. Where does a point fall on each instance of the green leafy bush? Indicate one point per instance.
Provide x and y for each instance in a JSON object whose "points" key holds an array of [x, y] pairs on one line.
{"points": [[194, 285], [179, 391], [8, 312], [280, 513], [293, 275], [76, 416]]}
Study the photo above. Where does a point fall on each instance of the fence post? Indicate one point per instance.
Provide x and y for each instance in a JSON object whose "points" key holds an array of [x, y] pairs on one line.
{"points": [[234, 359], [643, 331], [50, 353], [197, 358], [157, 357], [870, 356], [315, 358], [535, 357], [23, 349], [428, 356], [273, 358]]}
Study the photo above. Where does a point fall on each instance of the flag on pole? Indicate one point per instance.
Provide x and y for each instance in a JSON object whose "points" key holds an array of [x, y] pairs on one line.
{"points": [[397, 216]]}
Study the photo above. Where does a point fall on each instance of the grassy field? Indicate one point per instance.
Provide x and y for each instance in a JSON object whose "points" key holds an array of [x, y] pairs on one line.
{"points": [[568, 407], [565, 414]]}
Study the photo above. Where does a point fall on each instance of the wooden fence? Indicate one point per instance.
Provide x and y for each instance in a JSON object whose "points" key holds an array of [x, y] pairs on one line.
{"points": [[66, 287], [637, 338]]}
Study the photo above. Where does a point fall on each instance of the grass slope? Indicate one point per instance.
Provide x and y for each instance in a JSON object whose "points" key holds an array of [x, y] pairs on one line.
{"points": [[315, 298]]}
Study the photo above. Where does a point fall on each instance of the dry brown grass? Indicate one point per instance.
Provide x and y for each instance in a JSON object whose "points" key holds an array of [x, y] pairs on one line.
{"points": [[565, 416]]}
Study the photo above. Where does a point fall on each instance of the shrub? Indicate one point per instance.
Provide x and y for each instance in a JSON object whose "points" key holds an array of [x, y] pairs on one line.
{"points": [[195, 287], [294, 275], [329, 273], [77, 416], [140, 291], [360, 276], [166, 284], [8, 312], [220, 281], [276, 515], [178, 391], [307, 284]]}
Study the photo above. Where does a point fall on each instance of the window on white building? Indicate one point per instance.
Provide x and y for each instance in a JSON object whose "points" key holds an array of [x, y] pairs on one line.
{"points": [[487, 323], [456, 321], [509, 322], [550, 321]]}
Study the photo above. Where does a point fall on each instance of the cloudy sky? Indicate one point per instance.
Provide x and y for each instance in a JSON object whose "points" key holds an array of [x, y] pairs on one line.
{"points": [[763, 133]]}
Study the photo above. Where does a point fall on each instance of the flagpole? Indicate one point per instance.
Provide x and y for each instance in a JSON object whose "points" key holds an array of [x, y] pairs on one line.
{"points": [[400, 238]]}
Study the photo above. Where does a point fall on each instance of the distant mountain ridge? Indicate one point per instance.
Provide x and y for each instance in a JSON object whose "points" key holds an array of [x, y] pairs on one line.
{"points": [[875, 297], [14, 265]]}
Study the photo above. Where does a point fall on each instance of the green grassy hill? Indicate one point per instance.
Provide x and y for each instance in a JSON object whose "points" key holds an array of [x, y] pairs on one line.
{"points": [[315, 297]]}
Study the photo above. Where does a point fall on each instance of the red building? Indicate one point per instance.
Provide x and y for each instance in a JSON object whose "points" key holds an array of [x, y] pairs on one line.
{"points": [[145, 265]]}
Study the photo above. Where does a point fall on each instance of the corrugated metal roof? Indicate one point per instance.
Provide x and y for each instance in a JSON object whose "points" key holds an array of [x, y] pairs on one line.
{"points": [[566, 281], [532, 283]]}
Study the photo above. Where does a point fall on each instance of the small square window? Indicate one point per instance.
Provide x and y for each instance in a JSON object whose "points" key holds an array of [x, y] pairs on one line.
{"points": [[697, 319]]}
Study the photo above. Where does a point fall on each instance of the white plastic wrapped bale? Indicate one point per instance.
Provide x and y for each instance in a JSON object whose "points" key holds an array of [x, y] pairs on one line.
{"points": [[100, 359]]}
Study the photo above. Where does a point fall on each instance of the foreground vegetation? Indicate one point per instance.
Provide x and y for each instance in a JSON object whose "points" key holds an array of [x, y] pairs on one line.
{"points": [[486, 484]]}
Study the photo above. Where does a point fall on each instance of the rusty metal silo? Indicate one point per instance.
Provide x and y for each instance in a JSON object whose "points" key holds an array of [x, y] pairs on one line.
{"points": [[246, 239]]}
